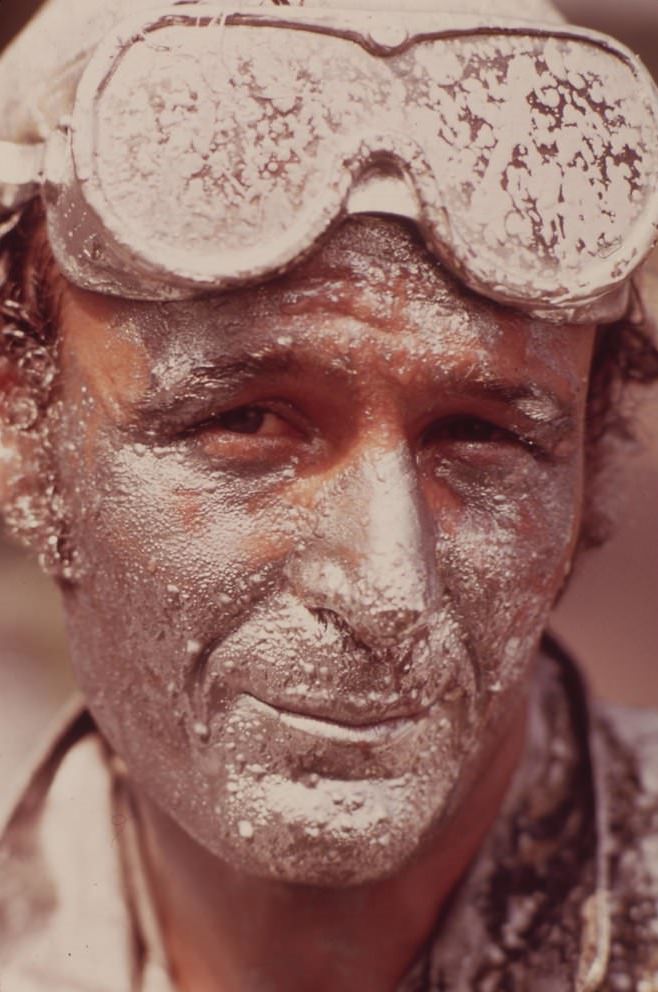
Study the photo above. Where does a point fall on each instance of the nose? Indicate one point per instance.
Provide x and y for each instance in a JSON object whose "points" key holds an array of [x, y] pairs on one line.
{"points": [[371, 558]]}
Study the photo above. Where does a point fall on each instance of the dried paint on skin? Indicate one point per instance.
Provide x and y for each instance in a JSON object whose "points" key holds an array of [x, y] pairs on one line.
{"points": [[307, 641]]}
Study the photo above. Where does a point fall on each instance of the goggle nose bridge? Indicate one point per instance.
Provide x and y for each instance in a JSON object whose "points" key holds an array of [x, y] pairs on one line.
{"points": [[390, 174]]}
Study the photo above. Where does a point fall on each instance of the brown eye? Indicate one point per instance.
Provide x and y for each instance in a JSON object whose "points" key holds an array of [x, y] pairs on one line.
{"points": [[467, 430], [252, 421], [244, 420]]}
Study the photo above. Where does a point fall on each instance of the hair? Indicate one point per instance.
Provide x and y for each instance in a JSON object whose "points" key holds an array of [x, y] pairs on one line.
{"points": [[30, 294], [625, 356]]}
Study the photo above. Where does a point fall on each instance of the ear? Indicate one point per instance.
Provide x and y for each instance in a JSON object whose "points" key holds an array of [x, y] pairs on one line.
{"points": [[18, 416], [28, 504], [14, 425]]}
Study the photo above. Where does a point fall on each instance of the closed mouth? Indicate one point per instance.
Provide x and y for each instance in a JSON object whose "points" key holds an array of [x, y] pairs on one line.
{"points": [[371, 732]]}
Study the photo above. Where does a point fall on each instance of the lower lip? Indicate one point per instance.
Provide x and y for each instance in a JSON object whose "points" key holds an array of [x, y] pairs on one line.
{"points": [[339, 733]]}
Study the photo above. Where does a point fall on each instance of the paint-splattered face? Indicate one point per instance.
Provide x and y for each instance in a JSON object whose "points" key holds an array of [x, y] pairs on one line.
{"points": [[320, 526]]}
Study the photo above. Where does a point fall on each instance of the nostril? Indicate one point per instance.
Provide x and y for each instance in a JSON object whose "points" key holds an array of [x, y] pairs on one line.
{"points": [[327, 618], [401, 624], [379, 630], [331, 621]]}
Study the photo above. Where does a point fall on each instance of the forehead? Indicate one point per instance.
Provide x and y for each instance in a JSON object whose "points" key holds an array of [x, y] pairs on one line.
{"points": [[370, 302]]}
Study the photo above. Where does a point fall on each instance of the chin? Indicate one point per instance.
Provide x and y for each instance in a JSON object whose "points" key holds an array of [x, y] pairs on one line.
{"points": [[334, 834]]}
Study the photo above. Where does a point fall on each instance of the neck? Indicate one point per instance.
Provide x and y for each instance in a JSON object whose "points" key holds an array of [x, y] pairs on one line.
{"points": [[228, 931]]}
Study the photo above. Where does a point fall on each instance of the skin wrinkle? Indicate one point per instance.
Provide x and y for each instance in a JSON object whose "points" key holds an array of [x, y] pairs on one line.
{"points": [[285, 535]]}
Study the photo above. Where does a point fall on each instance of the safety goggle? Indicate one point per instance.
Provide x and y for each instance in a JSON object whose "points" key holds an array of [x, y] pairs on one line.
{"points": [[209, 148]]}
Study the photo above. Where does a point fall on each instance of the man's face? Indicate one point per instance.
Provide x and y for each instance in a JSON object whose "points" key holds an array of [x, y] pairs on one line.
{"points": [[320, 525]]}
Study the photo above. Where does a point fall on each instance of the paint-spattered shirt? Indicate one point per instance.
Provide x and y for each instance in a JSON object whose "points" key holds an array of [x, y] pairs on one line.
{"points": [[562, 896]]}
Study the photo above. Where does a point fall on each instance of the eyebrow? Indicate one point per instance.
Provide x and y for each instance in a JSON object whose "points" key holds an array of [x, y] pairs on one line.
{"points": [[173, 397], [537, 404]]}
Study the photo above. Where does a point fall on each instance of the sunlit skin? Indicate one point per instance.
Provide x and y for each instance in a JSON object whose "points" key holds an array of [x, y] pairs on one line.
{"points": [[352, 494]]}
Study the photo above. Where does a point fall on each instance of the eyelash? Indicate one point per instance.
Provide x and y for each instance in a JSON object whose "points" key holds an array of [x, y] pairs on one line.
{"points": [[467, 429], [228, 421]]}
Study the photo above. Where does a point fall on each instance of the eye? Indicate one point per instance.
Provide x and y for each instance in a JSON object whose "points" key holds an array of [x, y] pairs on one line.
{"points": [[251, 421], [466, 429]]}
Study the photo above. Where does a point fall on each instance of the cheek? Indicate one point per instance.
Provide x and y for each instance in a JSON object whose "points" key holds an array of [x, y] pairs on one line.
{"points": [[504, 551], [170, 560], [150, 512]]}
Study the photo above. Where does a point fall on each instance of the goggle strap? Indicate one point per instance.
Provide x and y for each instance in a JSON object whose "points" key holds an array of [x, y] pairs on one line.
{"points": [[21, 173]]}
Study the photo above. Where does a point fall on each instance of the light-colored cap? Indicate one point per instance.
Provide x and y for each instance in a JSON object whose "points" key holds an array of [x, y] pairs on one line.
{"points": [[40, 70]]}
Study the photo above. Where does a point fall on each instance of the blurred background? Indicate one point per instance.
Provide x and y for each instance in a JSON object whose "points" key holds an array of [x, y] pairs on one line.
{"points": [[609, 617]]}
